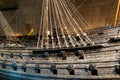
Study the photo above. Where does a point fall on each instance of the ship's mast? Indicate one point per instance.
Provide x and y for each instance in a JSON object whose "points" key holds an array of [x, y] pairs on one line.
{"points": [[117, 13]]}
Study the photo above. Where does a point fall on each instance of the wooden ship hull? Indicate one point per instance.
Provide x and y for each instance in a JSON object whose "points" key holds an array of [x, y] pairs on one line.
{"points": [[30, 64], [61, 50]]}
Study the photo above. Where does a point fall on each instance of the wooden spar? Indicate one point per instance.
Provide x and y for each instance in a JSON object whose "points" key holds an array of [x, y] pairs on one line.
{"points": [[117, 13]]}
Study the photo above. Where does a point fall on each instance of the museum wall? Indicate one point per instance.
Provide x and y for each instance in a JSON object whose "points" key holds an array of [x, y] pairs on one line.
{"points": [[97, 13]]}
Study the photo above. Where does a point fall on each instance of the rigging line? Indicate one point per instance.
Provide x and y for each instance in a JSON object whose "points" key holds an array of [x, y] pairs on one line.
{"points": [[11, 33], [87, 24], [74, 9], [69, 22], [66, 29], [88, 39], [81, 4], [49, 26], [46, 25], [64, 37], [74, 21], [53, 23], [56, 24], [62, 22], [59, 22], [14, 15], [43, 25], [39, 35], [82, 17], [50, 16], [68, 17], [77, 26], [85, 21], [7, 30], [3, 25], [47, 43], [77, 13]]}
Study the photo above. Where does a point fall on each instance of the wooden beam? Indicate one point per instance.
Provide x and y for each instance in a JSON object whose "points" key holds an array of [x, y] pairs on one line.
{"points": [[117, 13]]}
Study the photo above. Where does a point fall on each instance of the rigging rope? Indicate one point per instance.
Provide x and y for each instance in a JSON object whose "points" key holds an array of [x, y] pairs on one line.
{"points": [[8, 31], [58, 26]]}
